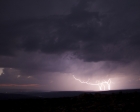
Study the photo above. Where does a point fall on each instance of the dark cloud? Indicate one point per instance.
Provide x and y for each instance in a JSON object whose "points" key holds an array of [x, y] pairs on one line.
{"points": [[50, 36], [93, 36]]}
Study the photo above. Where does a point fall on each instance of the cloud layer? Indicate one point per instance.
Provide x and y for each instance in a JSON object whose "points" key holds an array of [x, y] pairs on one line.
{"points": [[51, 36]]}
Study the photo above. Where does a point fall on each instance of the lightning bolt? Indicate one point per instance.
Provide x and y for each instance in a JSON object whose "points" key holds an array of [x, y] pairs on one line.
{"points": [[101, 85]]}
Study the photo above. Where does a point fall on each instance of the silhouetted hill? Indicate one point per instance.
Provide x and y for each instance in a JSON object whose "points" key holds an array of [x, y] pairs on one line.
{"points": [[118, 101], [57, 94], [10, 96]]}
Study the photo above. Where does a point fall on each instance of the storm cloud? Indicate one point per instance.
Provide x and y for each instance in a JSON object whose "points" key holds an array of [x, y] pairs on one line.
{"points": [[37, 38]]}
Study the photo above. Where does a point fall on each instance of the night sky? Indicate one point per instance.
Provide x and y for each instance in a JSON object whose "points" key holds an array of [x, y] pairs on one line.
{"points": [[43, 43]]}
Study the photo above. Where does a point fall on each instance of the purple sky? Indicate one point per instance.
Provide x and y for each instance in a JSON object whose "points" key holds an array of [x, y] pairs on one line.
{"points": [[44, 43]]}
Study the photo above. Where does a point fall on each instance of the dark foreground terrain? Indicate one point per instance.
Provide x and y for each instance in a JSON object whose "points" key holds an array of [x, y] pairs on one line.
{"points": [[86, 102]]}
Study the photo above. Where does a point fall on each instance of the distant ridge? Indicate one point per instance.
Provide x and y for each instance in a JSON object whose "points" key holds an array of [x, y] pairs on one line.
{"points": [[57, 94]]}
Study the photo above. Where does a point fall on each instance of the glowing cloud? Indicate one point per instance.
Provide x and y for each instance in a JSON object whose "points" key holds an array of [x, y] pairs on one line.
{"points": [[18, 76], [1, 71], [101, 85], [19, 85]]}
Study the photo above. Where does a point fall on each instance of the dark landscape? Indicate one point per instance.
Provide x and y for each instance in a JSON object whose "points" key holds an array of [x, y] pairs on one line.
{"points": [[70, 101]]}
